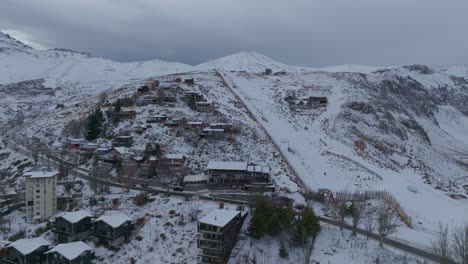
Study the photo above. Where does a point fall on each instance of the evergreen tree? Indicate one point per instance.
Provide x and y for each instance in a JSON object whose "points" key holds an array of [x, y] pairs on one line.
{"points": [[274, 225], [299, 232], [283, 251], [256, 226], [94, 125], [192, 103], [310, 222]]}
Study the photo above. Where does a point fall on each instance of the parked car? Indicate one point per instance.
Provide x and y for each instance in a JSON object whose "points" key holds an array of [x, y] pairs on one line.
{"points": [[178, 189]]}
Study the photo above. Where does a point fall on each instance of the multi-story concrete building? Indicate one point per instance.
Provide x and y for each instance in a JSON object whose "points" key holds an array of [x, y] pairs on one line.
{"points": [[218, 234], [41, 195]]}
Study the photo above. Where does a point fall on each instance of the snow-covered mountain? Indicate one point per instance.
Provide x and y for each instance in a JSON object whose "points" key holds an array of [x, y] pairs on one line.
{"points": [[248, 61], [19, 62]]}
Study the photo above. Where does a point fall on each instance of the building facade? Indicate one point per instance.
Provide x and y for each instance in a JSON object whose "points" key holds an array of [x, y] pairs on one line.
{"points": [[41, 195], [218, 234]]}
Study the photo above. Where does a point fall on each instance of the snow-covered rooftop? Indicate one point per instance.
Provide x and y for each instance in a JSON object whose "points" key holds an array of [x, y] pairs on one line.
{"points": [[219, 217], [196, 178], [258, 168], [71, 250], [26, 246], [123, 150], [114, 220], [41, 174], [75, 217], [227, 165], [174, 156]]}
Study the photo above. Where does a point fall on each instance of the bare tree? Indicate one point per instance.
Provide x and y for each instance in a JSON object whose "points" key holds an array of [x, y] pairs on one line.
{"points": [[369, 224], [340, 212], [357, 210], [387, 221], [460, 244], [441, 244]]}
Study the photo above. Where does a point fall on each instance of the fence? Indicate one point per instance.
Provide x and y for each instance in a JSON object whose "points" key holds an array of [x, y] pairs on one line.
{"points": [[380, 195]]}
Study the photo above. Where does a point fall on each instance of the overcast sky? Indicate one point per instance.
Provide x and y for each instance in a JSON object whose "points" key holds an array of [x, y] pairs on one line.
{"points": [[313, 33]]}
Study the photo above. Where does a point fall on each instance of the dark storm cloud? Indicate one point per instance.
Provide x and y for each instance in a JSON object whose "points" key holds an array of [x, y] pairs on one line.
{"points": [[310, 33]]}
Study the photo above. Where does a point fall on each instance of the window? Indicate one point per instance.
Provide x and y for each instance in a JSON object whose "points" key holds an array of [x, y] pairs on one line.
{"points": [[38, 191]]}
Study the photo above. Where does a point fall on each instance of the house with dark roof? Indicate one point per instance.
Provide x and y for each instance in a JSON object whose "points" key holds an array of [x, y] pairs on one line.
{"points": [[112, 229], [71, 253], [27, 251], [72, 226]]}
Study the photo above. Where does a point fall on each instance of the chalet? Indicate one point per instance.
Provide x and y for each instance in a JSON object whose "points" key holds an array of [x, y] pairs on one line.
{"points": [[139, 129], [143, 89], [27, 251], [315, 102], [173, 122], [101, 151], [147, 100], [178, 80], [232, 172], [195, 125], [218, 234], [227, 127], [204, 106], [72, 226], [199, 179], [74, 252], [75, 143], [174, 159], [112, 230], [156, 119], [122, 141], [127, 112], [212, 133], [190, 81], [119, 153], [88, 148], [193, 96]]}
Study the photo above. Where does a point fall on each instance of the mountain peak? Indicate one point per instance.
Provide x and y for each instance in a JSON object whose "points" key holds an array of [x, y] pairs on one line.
{"points": [[246, 60], [7, 41]]}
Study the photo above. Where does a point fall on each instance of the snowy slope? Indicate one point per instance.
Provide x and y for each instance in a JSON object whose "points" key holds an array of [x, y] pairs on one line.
{"points": [[245, 61], [400, 123]]}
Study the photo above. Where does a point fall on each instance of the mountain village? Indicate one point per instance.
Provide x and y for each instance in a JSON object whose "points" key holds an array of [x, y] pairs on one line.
{"points": [[224, 164]]}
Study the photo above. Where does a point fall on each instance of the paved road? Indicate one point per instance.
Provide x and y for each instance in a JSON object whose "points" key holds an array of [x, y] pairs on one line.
{"points": [[399, 245]]}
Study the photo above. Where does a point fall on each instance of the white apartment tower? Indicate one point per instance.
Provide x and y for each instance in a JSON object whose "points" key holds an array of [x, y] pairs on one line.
{"points": [[41, 195]]}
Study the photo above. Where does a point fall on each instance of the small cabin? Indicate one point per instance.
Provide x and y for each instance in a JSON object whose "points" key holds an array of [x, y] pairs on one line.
{"points": [[316, 102], [178, 80], [127, 112], [268, 71], [212, 133], [173, 122], [122, 141], [88, 148], [195, 125], [156, 119], [153, 84], [75, 143], [204, 106], [190, 81], [174, 159], [112, 230], [74, 252], [193, 96], [119, 153], [143, 89]]}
